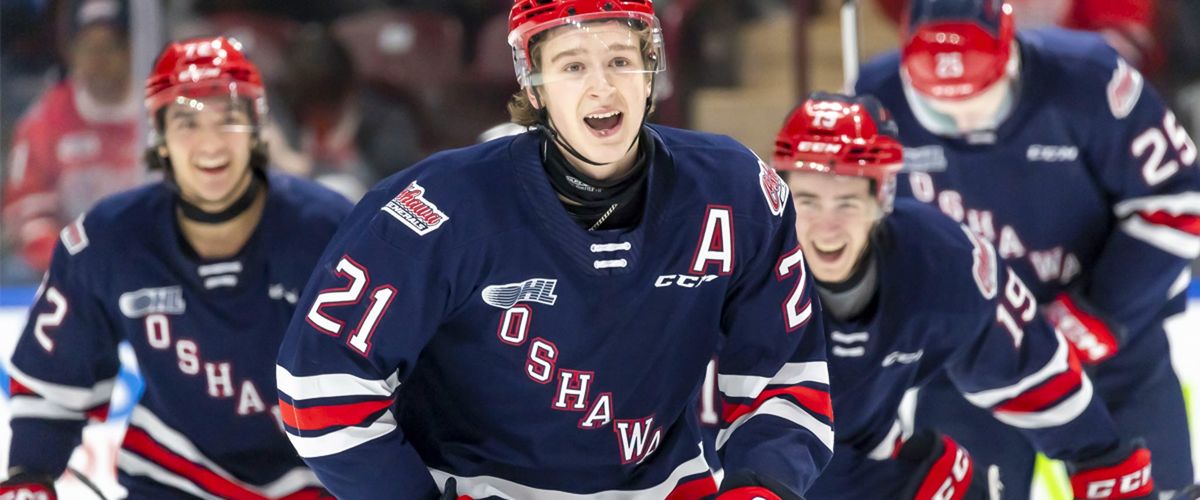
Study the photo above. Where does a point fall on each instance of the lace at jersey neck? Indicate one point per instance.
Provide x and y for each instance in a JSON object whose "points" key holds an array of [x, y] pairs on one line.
{"points": [[593, 203]]}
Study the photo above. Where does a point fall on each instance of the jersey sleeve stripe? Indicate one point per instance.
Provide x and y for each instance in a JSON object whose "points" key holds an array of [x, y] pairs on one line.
{"points": [[137, 441], [1058, 363], [342, 439], [70, 397], [160, 438], [814, 400], [324, 417], [747, 386], [490, 486], [786, 410], [1167, 239], [36, 407], [1049, 393], [1060, 414], [1173, 204], [1187, 223], [332, 385], [701, 487]]}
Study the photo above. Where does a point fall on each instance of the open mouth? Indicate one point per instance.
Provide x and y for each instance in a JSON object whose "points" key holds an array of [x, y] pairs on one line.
{"points": [[604, 124], [213, 168], [828, 252]]}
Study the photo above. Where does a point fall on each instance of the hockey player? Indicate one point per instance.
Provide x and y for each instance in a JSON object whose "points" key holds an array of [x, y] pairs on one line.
{"points": [[891, 327], [1050, 146], [200, 275], [532, 317]]}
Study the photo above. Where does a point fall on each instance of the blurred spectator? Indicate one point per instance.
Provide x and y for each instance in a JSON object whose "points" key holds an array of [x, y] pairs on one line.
{"points": [[78, 142], [347, 135], [28, 59], [1127, 24]]}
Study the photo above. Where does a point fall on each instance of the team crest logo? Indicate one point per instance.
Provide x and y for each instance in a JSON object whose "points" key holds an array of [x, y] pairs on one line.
{"points": [[774, 189], [1124, 89], [416, 212], [539, 290]]}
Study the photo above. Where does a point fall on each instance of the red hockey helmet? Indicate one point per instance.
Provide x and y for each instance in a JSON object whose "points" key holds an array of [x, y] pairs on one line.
{"points": [[842, 135], [530, 18], [204, 67], [954, 49]]}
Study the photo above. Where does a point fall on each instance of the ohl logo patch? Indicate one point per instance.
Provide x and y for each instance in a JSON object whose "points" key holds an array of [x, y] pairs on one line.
{"points": [[773, 188], [416, 212]]}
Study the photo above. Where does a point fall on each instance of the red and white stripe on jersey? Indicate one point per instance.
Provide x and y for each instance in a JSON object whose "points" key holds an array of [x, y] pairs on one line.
{"points": [[320, 430], [782, 396], [690, 480], [36, 398], [154, 450], [890, 445], [1170, 222], [1052, 396]]}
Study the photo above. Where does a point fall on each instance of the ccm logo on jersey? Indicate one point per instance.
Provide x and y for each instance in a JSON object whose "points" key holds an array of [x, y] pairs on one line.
{"points": [[416, 212], [1042, 152], [683, 280], [773, 188]]}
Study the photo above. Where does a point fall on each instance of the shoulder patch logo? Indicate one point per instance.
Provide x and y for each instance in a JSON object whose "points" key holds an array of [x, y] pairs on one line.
{"points": [[73, 236], [773, 187], [983, 268], [539, 290], [416, 212], [1124, 89]]}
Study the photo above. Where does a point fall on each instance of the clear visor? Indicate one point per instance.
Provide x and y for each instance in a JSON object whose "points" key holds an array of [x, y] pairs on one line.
{"points": [[190, 119], [586, 47], [195, 94]]}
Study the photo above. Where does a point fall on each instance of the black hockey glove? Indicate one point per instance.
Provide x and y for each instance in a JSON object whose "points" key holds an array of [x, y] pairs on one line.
{"points": [[450, 493], [944, 469], [746, 485], [1119, 474], [26, 485]]}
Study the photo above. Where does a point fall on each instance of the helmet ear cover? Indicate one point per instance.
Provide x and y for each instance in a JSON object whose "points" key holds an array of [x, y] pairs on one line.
{"points": [[842, 135]]}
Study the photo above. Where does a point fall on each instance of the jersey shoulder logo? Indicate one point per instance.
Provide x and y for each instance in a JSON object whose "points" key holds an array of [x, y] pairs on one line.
{"points": [[539, 290], [983, 267], [773, 188], [416, 212], [1124, 89], [74, 238]]}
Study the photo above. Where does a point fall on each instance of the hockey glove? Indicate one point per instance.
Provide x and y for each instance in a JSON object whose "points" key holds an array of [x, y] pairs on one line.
{"points": [[1092, 337], [944, 469], [746, 485], [25, 485], [1120, 474]]}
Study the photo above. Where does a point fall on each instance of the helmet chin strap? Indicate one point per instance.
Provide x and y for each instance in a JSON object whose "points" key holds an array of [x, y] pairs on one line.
{"points": [[194, 213], [545, 124]]}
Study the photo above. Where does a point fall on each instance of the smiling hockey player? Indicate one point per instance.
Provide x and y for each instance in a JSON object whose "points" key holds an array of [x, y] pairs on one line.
{"points": [[1053, 148], [199, 274], [908, 294], [531, 318]]}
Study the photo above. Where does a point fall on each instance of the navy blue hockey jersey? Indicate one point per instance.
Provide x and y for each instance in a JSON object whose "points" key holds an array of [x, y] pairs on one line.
{"points": [[978, 323], [1090, 182], [205, 334], [462, 326]]}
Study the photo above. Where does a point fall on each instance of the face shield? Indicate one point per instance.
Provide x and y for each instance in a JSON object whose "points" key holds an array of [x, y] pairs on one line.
{"points": [[220, 105], [616, 46]]}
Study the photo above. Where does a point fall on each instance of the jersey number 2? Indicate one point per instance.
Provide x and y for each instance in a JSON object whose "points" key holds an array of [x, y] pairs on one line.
{"points": [[359, 279]]}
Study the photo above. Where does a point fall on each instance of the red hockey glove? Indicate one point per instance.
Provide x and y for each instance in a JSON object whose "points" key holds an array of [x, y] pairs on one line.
{"points": [[28, 486], [1093, 338], [944, 469], [1121, 474], [746, 485]]}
